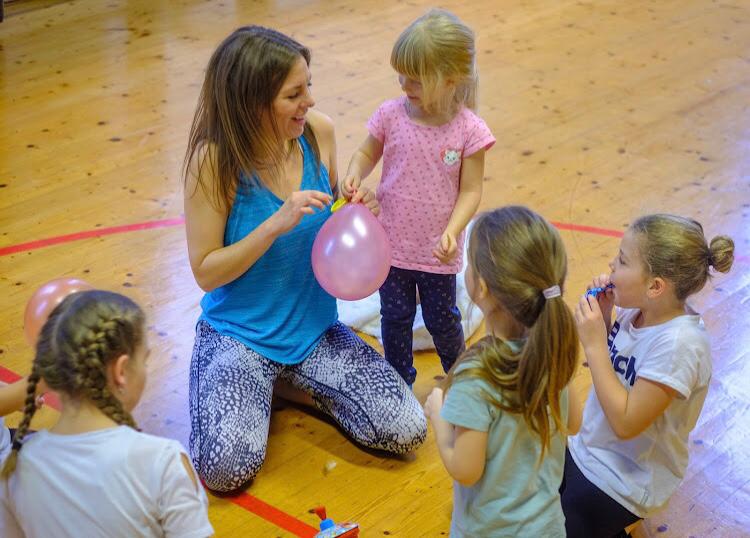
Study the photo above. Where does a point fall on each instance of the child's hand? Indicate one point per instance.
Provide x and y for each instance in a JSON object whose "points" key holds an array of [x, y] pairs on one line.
{"points": [[350, 185], [590, 323], [434, 404], [606, 298], [447, 248], [367, 197]]}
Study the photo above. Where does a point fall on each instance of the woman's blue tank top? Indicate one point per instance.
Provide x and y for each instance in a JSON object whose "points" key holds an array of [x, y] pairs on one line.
{"points": [[276, 307]]}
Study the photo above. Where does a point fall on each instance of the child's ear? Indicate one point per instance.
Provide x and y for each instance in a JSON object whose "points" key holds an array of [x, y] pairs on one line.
{"points": [[117, 372], [483, 289], [656, 288]]}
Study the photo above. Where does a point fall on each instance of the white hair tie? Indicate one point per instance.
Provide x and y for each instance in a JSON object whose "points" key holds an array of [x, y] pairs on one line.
{"points": [[551, 292]]}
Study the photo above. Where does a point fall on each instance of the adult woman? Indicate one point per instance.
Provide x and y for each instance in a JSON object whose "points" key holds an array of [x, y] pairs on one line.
{"points": [[251, 222]]}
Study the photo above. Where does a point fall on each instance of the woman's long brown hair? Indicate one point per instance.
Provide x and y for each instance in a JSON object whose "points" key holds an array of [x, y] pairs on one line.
{"points": [[230, 131]]}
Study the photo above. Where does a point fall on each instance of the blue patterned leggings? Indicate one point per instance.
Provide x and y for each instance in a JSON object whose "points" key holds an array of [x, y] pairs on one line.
{"points": [[230, 401], [398, 306]]}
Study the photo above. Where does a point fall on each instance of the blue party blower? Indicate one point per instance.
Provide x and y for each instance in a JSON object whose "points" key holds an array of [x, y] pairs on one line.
{"points": [[593, 292]]}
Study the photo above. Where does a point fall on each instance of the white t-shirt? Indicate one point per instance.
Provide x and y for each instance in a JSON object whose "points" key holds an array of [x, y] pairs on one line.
{"points": [[4, 441], [115, 482], [642, 473], [4, 514]]}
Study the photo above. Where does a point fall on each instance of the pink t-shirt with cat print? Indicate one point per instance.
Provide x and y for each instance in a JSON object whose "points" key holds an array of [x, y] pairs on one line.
{"points": [[419, 185]]}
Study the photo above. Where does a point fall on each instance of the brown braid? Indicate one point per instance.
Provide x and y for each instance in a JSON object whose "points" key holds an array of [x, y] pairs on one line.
{"points": [[29, 409], [91, 370], [83, 334]]}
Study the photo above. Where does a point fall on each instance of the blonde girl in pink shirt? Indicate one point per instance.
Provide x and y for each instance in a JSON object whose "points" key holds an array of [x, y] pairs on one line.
{"points": [[432, 144]]}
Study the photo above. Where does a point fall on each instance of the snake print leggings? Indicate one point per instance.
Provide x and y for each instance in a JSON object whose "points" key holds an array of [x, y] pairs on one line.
{"points": [[230, 401]]}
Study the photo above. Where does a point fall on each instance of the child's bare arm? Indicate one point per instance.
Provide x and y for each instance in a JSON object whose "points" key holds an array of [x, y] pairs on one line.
{"points": [[361, 164], [628, 413], [469, 196], [575, 410], [469, 193], [13, 396], [462, 450], [464, 461]]}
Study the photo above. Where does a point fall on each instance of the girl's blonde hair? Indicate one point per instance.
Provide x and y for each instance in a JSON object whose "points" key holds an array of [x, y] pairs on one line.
{"points": [[675, 248], [438, 51], [83, 334], [244, 76], [519, 254]]}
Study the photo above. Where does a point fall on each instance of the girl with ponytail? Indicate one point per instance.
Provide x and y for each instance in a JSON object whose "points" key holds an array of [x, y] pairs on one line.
{"points": [[93, 474], [501, 424]]}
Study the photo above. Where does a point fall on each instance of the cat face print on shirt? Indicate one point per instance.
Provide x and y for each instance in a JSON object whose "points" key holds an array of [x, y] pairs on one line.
{"points": [[450, 156]]}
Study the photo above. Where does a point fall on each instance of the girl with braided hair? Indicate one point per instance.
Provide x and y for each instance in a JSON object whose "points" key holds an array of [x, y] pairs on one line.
{"points": [[93, 474]]}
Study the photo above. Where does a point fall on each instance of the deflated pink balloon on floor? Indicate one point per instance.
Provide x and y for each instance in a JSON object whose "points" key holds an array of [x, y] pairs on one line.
{"points": [[44, 301], [351, 255]]}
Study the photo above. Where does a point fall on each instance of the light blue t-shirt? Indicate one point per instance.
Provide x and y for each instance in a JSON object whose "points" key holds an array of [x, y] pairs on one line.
{"points": [[516, 496], [276, 308]]}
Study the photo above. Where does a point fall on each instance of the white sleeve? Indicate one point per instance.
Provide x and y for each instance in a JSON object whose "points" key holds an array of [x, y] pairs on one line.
{"points": [[676, 361], [9, 527], [183, 506]]}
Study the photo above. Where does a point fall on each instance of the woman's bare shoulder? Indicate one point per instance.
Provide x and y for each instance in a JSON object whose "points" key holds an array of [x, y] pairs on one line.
{"points": [[322, 124]]}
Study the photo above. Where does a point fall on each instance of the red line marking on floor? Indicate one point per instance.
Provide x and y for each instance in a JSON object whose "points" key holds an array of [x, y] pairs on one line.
{"points": [[167, 223], [178, 221], [99, 232], [274, 515], [587, 229], [8, 376]]}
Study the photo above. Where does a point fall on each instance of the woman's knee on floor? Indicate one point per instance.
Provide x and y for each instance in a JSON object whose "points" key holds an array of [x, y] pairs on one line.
{"points": [[228, 472], [402, 432], [410, 435]]}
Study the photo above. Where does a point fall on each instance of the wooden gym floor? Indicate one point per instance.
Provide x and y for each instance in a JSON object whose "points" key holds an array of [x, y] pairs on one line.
{"points": [[603, 111]]}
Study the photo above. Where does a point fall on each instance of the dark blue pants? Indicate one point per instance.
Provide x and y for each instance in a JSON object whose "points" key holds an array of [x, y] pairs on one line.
{"points": [[589, 512], [398, 306]]}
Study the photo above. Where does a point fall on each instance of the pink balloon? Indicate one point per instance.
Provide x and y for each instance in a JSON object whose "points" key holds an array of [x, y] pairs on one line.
{"points": [[44, 301], [351, 255]]}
